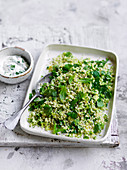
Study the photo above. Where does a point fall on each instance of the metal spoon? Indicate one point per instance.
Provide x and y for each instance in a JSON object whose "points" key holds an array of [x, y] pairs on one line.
{"points": [[13, 120]]}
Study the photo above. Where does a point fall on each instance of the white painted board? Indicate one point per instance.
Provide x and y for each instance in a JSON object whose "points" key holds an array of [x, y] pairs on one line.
{"points": [[12, 96]]}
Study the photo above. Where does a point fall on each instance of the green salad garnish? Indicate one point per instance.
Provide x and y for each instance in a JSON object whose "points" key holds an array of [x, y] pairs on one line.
{"points": [[75, 102]]}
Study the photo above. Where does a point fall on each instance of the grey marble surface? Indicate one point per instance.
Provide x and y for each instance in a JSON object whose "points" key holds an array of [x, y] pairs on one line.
{"points": [[33, 24]]}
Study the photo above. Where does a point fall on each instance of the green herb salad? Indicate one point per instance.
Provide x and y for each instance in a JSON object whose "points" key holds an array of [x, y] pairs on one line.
{"points": [[75, 101]]}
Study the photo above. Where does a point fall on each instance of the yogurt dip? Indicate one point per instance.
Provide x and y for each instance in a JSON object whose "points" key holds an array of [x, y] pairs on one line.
{"points": [[13, 65]]}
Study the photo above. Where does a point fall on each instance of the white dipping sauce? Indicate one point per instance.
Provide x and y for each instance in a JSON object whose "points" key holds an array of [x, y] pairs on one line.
{"points": [[13, 65]]}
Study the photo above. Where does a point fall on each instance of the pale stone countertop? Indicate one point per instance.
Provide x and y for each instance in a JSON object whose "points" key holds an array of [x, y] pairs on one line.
{"points": [[35, 23]]}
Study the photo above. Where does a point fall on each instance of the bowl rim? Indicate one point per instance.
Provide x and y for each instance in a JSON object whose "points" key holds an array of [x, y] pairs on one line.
{"points": [[25, 72]]}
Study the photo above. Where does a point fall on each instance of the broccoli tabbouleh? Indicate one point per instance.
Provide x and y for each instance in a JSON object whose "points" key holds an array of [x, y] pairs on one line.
{"points": [[74, 103]]}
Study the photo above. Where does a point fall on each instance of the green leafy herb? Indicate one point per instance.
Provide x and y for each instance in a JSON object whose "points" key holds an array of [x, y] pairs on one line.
{"points": [[76, 65], [63, 93], [100, 103], [68, 54], [49, 92], [55, 70], [85, 80], [102, 72], [38, 99], [80, 95], [67, 67], [85, 62], [12, 67], [30, 96], [54, 129], [96, 74], [86, 137], [86, 67], [72, 115], [71, 79], [73, 103], [47, 109], [97, 128], [106, 118]]}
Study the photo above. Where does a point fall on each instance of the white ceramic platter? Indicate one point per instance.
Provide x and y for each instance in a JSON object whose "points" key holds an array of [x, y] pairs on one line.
{"points": [[45, 58]]}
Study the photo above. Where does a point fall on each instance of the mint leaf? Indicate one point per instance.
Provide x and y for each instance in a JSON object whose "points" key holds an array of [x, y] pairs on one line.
{"points": [[67, 67], [38, 99], [97, 128], [72, 103], [85, 80], [63, 93], [55, 70], [54, 93], [86, 137], [85, 62], [68, 54], [80, 95], [12, 67], [100, 103], [49, 92], [105, 118], [30, 95], [47, 109], [102, 72], [72, 115], [76, 65], [71, 79], [96, 74], [86, 68]]}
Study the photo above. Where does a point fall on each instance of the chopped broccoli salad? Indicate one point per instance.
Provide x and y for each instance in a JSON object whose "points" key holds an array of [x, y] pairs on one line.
{"points": [[75, 101]]}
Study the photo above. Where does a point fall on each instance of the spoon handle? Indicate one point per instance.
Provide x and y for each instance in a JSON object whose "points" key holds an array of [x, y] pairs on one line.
{"points": [[13, 120]]}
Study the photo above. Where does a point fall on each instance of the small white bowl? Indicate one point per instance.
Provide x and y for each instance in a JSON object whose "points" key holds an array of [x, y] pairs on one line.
{"points": [[26, 55]]}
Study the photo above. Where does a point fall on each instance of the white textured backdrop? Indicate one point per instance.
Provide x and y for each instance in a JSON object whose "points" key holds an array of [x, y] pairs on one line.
{"points": [[33, 24]]}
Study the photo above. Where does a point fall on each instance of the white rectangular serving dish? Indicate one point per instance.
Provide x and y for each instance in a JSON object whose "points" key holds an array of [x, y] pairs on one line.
{"points": [[45, 58]]}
